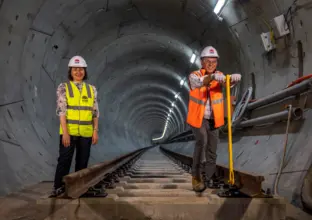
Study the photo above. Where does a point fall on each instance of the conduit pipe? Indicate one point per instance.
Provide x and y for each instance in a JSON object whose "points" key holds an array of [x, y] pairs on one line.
{"points": [[296, 113], [280, 95], [241, 106], [239, 110]]}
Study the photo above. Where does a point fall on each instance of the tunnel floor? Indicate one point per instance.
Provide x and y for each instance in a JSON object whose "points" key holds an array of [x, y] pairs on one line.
{"points": [[154, 188]]}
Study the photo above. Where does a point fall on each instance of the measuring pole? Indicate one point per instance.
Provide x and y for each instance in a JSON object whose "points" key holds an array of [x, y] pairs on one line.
{"points": [[229, 119]]}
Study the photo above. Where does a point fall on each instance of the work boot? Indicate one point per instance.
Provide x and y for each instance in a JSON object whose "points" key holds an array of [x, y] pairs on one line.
{"points": [[198, 185], [214, 182], [57, 192]]}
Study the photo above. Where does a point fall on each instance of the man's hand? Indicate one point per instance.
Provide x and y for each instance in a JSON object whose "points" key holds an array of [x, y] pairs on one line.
{"points": [[236, 77], [95, 137], [219, 77], [207, 80]]}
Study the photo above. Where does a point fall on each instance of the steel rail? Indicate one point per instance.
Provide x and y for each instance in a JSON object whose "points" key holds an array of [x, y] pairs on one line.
{"points": [[247, 183], [183, 138], [182, 134], [78, 183]]}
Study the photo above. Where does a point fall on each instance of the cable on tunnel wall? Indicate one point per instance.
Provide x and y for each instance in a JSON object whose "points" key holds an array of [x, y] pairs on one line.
{"points": [[284, 152]]}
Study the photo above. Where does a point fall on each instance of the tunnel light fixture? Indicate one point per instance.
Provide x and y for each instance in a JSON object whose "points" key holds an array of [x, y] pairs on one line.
{"points": [[176, 96], [192, 60], [100, 10], [219, 6], [166, 125], [164, 132], [181, 82], [172, 104]]}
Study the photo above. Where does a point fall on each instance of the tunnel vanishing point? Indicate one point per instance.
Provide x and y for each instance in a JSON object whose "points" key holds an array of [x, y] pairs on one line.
{"points": [[139, 54]]}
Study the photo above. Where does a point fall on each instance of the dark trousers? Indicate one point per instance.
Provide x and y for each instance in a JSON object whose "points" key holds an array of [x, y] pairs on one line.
{"points": [[205, 148], [82, 146]]}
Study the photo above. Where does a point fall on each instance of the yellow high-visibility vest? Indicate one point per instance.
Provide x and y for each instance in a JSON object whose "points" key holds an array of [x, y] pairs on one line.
{"points": [[79, 110]]}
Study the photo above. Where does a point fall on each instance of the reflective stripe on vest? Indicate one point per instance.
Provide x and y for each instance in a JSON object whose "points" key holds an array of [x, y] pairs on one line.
{"points": [[79, 114], [198, 101], [216, 101], [71, 93], [77, 122], [80, 108]]}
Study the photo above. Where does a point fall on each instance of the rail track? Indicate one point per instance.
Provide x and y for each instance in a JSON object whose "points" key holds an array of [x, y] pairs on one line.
{"points": [[150, 183]]}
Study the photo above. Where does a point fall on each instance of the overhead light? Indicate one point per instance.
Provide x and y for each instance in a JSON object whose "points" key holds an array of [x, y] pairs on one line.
{"points": [[100, 10], [181, 82], [176, 96], [172, 104], [193, 58], [219, 6], [170, 110]]}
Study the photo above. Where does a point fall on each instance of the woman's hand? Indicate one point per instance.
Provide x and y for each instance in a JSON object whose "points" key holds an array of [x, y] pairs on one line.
{"points": [[66, 140], [95, 137]]}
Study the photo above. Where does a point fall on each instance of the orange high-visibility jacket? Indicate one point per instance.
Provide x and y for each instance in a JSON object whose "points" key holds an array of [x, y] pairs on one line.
{"points": [[198, 99]]}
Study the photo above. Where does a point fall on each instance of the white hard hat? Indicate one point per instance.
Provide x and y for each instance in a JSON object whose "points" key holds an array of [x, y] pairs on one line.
{"points": [[77, 61], [209, 52]]}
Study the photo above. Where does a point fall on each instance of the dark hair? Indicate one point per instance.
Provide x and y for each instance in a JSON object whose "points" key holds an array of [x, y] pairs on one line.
{"points": [[71, 78]]}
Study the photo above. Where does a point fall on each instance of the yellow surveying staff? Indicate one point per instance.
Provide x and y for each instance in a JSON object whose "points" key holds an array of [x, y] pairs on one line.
{"points": [[78, 111]]}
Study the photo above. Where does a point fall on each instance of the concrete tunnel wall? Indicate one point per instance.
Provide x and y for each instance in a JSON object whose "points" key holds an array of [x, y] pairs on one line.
{"points": [[137, 52]]}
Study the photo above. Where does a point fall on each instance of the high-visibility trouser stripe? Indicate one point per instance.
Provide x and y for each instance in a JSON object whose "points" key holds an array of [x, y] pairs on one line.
{"points": [[217, 101], [71, 92], [77, 122], [80, 107], [198, 101]]}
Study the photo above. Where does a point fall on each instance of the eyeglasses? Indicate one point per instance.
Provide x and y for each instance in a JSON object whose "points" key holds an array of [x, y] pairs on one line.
{"points": [[210, 62]]}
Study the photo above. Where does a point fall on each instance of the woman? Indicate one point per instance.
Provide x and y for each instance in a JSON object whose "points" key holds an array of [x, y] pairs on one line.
{"points": [[77, 109]]}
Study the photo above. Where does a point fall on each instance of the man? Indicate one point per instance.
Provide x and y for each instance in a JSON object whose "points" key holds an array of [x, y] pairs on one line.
{"points": [[78, 111], [206, 114]]}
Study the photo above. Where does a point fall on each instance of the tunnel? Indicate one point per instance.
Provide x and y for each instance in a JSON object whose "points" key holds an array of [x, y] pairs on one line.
{"points": [[139, 55]]}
